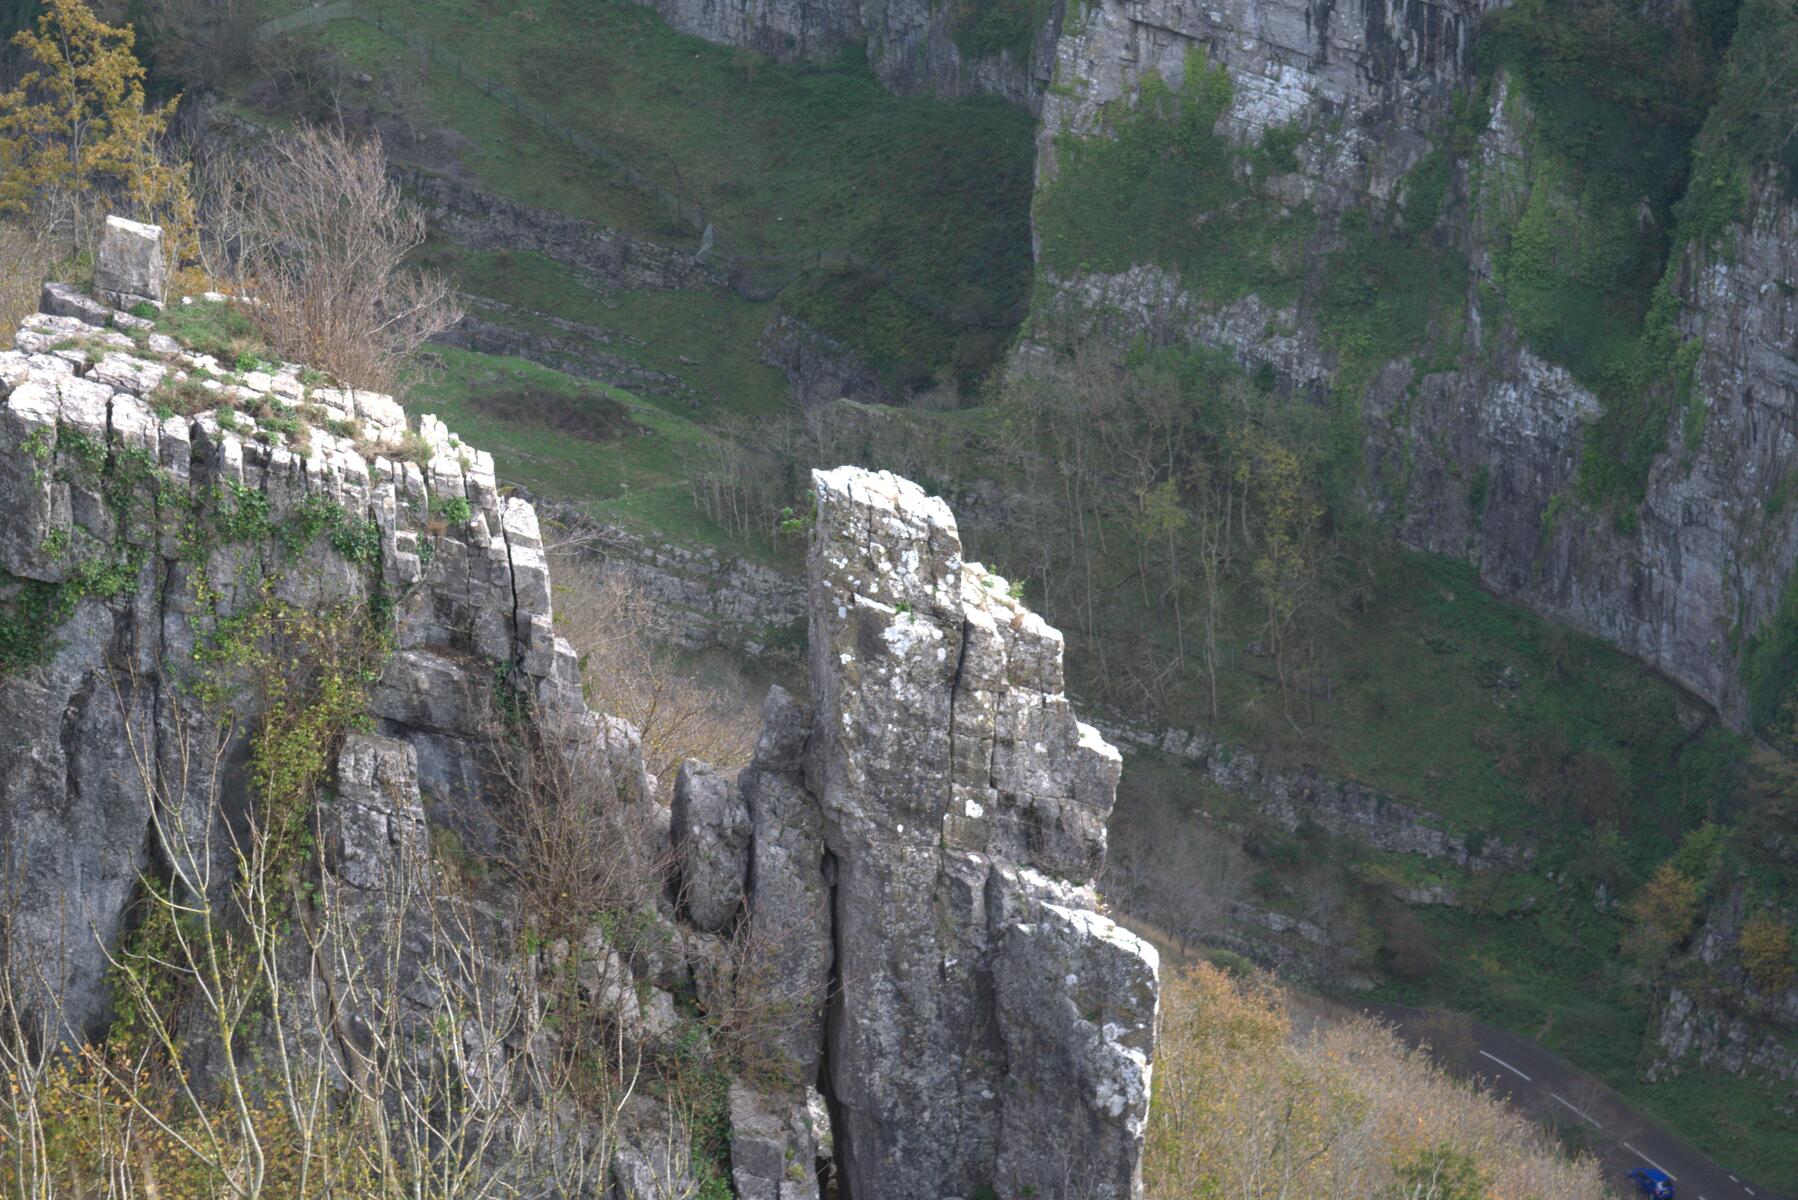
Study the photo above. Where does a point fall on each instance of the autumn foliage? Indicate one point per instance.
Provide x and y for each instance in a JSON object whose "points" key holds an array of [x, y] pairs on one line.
{"points": [[78, 138], [1766, 945], [1246, 1108]]}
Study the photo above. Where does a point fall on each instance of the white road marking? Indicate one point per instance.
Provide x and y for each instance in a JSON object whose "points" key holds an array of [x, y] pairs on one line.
{"points": [[1657, 1166], [1733, 1179], [1748, 1189], [1507, 1066], [1582, 1113]]}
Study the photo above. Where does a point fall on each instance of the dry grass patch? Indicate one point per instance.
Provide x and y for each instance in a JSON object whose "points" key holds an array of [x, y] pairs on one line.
{"points": [[621, 634], [1246, 1109]]}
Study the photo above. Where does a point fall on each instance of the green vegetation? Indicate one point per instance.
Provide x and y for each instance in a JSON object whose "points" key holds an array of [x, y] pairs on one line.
{"points": [[987, 28], [129, 484], [221, 330], [641, 480], [710, 341], [1167, 190], [1770, 669], [1622, 181], [905, 220]]}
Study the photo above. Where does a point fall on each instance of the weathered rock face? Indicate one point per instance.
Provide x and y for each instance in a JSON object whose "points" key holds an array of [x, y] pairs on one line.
{"points": [[1709, 551], [711, 838], [911, 44], [129, 267], [955, 782], [115, 540], [1381, 74], [1719, 1017], [773, 1145], [135, 549], [787, 882], [1705, 557], [922, 853]]}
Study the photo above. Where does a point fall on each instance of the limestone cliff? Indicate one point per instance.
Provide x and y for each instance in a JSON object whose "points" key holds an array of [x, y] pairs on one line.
{"points": [[911, 861], [1359, 98]]}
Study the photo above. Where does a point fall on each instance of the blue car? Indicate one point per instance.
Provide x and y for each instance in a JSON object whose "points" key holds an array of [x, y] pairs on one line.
{"points": [[1652, 1181]]}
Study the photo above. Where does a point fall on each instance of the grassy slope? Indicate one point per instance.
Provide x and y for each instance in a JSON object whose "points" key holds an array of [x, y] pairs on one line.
{"points": [[709, 341], [1426, 710], [786, 161], [638, 480]]}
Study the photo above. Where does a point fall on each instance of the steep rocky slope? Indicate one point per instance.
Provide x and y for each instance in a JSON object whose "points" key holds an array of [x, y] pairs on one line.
{"points": [[914, 858], [1367, 102]]}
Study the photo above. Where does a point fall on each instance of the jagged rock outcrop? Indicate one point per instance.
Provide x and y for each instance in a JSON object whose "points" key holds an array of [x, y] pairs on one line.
{"points": [[908, 867], [955, 783], [711, 831], [158, 569], [987, 1028], [774, 1144], [787, 878], [912, 45], [1719, 1016]]}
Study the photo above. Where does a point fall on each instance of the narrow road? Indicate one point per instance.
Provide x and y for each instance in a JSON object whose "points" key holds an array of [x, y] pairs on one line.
{"points": [[1549, 1088]]}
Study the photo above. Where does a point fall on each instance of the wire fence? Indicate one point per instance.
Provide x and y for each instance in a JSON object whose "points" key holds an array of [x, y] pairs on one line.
{"points": [[758, 275]]}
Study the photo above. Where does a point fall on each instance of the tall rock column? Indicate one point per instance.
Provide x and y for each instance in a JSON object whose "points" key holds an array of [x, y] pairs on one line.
{"points": [[989, 1029]]}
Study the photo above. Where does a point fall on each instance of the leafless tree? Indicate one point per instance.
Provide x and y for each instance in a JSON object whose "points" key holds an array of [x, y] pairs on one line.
{"points": [[318, 233], [284, 1033]]}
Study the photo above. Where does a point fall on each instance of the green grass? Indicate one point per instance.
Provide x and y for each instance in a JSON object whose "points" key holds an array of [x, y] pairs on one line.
{"points": [[804, 170], [710, 341], [638, 480], [1740, 1122], [221, 330], [987, 28]]}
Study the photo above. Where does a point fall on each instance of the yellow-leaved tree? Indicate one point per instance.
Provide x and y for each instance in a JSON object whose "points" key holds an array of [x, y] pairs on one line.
{"points": [[78, 137]]}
